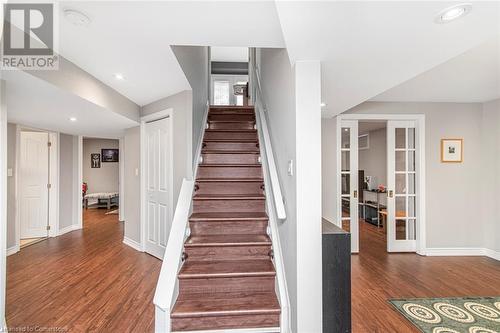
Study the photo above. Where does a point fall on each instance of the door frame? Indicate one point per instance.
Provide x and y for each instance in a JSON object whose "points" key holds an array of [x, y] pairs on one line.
{"points": [[54, 181], [146, 119], [420, 184]]}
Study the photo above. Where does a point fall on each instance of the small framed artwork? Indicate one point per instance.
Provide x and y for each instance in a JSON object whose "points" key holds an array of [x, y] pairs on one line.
{"points": [[109, 155], [452, 150], [95, 161]]}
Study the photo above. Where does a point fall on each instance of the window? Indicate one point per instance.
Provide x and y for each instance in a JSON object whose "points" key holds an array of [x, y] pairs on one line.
{"points": [[364, 142], [221, 92]]}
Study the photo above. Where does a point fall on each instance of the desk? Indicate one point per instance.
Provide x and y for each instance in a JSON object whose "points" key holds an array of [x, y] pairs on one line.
{"points": [[373, 199], [383, 216]]}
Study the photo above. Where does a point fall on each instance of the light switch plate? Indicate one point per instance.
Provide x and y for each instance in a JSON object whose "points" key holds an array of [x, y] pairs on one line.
{"points": [[9, 172], [290, 167], [136, 171]]}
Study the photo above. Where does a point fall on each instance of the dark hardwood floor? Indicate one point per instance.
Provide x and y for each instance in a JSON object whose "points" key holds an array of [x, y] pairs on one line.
{"points": [[378, 276], [83, 281]]}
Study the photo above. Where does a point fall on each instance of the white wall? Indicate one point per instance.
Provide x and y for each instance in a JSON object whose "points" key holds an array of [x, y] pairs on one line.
{"points": [[194, 61], [105, 178], [490, 174], [328, 169], [374, 160], [276, 71], [292, 96], [67, 184], [308, 175], [132, 186], [11, 185]]}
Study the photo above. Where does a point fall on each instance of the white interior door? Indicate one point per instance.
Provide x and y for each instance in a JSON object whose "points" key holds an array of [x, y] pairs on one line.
{"points": [[33, 180], [158, 164], [401, 186], [349, 212]]}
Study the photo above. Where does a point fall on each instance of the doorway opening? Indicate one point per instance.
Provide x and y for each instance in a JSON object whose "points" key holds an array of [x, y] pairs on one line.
{"points": [[381, 187], [229, 76], [101, 174]]}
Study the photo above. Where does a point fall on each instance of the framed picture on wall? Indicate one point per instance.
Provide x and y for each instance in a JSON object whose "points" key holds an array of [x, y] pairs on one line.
{"points": [[95, 161], [452, 150], [109, 155]]}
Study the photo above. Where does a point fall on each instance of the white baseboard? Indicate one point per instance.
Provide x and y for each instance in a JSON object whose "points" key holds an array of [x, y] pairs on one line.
{"points": [[13, 249], [132, 243], [67, 229], [492, 254], [462, 251]]}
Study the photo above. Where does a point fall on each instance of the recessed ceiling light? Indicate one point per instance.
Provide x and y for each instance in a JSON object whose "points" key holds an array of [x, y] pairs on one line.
{"points": [[119, 76], [323, 104], [76, 17], [72, 119], [452, 13]]}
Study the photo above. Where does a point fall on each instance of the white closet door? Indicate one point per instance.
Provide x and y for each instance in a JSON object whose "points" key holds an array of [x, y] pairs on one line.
{"points": [[158, 217], [402, 220], [349, 212], [33, 181]]}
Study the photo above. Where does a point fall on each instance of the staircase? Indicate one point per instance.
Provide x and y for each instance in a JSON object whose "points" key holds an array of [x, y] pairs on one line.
{"points": [[227, 281]]}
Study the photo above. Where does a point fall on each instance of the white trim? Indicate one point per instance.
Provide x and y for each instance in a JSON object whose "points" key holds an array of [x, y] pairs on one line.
{"points": [[12, 250], [54, 174], [420, 122], [79, 182], [3, 200], [238, 330], [67, 229], [132, 243], [492, 254], [121, 175], [148, 118], [462, 251]]}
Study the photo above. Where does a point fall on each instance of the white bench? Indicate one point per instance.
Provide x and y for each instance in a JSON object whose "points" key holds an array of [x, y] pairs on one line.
{"points": [[104, 199]]}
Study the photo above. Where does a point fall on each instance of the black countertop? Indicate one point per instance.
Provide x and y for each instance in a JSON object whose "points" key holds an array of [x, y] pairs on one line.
{"points": [[330, 228]]}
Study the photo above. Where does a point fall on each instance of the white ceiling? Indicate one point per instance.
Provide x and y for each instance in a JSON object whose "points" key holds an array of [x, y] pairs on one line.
{"points": [[473, 76], [50, 108], [229, 54], [368, 47], [134, 37]]}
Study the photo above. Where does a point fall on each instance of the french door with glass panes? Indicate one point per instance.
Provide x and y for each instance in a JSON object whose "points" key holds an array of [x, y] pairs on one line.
{"points": [[402, 222], [348, 206]]}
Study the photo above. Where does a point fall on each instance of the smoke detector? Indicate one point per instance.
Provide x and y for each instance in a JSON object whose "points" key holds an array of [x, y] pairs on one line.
{"points": [[76, 17]]}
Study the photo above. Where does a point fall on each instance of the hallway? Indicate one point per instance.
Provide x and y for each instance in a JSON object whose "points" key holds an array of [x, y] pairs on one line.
{"points": [[83, 281], [378, 276]]}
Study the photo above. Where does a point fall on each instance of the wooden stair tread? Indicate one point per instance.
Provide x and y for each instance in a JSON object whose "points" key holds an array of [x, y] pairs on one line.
{"points": [[232, 140], [230, 180], [227, 240], [229, 216], [218, 165], [229, 268], [227, 151], [210, 130], [228, 197], [226, 304]]}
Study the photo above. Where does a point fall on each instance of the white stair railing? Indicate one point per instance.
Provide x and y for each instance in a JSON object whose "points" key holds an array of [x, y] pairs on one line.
{"points": [[276, 207]]}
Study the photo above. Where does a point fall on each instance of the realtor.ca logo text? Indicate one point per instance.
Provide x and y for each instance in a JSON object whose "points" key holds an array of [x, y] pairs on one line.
{"points": [[29, 39]]}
